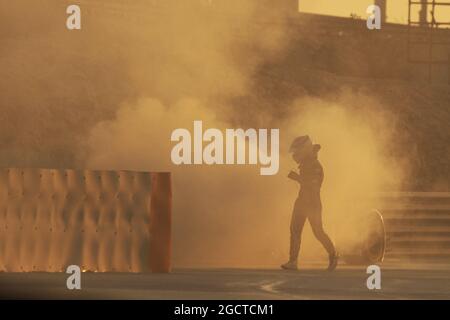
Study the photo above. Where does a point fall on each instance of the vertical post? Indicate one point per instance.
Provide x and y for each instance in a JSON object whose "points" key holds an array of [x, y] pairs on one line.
{"points": [[430, 49], [423, 14], [382, 5], [409, 35], [161, 223]]}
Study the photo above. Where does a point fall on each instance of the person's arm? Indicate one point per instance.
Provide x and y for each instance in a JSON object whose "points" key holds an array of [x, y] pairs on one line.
{"points": [[294, 176]]}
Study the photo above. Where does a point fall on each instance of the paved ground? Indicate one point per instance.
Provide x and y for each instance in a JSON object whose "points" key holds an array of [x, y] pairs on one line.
{"points": [[308, 283]]}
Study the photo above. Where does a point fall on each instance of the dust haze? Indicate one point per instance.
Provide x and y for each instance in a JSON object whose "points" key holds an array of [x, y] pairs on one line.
{"points": [[230, 215], [110, 96]]}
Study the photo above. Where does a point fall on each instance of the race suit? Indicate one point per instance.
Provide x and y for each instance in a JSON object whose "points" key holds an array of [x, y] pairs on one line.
{"points": [[309, 206]]}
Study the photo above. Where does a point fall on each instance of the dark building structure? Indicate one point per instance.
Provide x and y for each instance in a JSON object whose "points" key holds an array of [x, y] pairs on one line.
{"points": [[287, 7]]}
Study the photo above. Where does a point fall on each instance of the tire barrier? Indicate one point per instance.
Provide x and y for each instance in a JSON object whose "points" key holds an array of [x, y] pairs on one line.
{"points": [[102, 221], [370, 248]]}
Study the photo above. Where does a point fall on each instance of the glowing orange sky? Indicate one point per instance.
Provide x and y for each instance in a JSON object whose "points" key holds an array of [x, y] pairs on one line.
{"points": [[397, 10]]}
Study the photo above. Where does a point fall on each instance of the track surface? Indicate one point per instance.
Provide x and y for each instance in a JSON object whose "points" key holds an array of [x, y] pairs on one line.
{"points": [[309, 283]]}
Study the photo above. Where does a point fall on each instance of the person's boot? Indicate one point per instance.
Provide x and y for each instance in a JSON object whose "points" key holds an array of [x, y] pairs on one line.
{"points": [[290, 265], [333, 262]]}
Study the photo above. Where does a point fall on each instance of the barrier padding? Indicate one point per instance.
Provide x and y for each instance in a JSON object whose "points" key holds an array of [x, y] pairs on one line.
{"points": [[102, 221]]}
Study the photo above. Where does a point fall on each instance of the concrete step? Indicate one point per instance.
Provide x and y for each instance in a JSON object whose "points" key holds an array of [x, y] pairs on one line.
{"points": [[424, 251], [424, 235], [392, 223], [416, 213], [419, 244]]}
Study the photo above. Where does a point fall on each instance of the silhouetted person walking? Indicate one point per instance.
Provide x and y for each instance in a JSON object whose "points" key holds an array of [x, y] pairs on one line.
{"points": [[308, 204]]}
